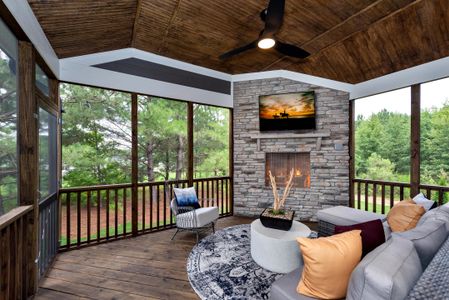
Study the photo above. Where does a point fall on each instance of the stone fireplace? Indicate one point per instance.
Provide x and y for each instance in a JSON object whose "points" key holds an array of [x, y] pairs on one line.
{"points": [[281, 164], [319, 157]]}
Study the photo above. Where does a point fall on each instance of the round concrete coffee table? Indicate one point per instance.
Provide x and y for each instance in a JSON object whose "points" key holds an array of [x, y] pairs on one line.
{"points": [[277, 250]]}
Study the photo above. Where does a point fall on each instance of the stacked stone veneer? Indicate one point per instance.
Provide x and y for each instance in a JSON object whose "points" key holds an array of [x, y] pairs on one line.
{"points": [[329, 165]]}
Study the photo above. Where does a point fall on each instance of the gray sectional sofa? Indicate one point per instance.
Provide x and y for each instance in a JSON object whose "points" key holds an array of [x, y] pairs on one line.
{"points": [[409, 265]]}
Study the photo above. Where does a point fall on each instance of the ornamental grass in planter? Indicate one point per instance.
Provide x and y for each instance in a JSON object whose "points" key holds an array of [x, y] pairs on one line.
{"points": [[278, 217]]}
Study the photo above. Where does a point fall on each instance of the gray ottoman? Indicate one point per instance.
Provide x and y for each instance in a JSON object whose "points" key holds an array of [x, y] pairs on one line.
{"points": [[328, 218]]}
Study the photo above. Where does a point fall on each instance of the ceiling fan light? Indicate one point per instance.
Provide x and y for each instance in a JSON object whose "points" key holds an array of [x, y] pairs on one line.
{"points": [[266, 43]]}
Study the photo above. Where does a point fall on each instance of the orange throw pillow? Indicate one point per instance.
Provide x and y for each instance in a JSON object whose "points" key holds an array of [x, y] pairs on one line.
{"points": [[328, 264], [404, 216]]}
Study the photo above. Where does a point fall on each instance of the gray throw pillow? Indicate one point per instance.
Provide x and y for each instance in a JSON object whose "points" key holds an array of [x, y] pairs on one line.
{"points": [[427, 239], [440, 213], [387, 272]]}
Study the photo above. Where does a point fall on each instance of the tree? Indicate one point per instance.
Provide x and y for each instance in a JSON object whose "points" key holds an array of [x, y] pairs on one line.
{"points": [[162, 139], [8, 133], [378, 168], [96, 136], [211, 141], [435, 142]]}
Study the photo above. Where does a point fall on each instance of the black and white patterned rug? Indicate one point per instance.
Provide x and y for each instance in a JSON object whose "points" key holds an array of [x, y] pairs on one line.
{"points": [[221, 267]]}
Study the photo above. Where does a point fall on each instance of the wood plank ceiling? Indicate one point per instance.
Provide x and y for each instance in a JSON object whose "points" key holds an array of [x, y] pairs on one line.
{"points": [[350, 40]]}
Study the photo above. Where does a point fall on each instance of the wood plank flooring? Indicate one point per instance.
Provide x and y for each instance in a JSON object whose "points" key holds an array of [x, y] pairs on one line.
{"points": [[150, 266]]}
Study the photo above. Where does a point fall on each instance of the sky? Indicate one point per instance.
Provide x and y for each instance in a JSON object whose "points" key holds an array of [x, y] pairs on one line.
{"points": [[433, 94]]}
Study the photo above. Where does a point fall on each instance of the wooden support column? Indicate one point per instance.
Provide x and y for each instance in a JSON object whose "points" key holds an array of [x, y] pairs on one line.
{"points": [[351, 152], [231, 158], [134, 164], [28, 162], [415, 140], [190, 143]]}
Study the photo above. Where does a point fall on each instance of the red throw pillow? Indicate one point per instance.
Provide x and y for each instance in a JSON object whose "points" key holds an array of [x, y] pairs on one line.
{"points": [[372, 234]]}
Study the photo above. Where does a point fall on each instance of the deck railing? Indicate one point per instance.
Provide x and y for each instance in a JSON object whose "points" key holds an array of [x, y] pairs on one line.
{"points": [[48, 232], [94, 214], [380, 196], [15, 258]]}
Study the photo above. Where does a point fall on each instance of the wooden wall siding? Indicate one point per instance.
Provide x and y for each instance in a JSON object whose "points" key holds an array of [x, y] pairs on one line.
{"points": [[28, 160], [76, 27], [350, 41]]}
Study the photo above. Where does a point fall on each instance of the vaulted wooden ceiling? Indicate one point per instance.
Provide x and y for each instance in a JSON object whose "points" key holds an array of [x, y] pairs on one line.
{"points": [[350, 40]]}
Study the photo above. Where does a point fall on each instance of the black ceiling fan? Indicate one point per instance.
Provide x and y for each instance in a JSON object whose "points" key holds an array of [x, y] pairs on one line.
{"points": [[273, 17]]}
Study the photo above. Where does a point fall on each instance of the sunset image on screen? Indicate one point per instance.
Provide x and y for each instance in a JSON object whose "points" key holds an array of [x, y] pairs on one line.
{"points": [[293, 111], [298, 105]]}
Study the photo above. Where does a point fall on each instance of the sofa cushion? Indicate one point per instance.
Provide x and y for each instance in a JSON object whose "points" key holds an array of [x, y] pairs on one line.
{"points": [[404, 216], [328, 264], [387, 272], [427, 239], [343, 215], [440, 213], [372, 234], [285, 287]]}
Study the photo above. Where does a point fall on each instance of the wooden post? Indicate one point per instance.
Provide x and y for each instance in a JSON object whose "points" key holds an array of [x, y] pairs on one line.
{"points": [[134, 166], [190, 143], [231, 159], [351, 152], [28, 161], [415, 140]]}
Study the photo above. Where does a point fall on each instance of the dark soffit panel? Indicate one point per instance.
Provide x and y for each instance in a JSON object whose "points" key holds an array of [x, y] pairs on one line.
{"points": [[147, 69]]}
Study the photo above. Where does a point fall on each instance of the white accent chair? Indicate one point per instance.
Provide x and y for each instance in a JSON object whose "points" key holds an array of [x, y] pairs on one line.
{"points": [[195, 220]]}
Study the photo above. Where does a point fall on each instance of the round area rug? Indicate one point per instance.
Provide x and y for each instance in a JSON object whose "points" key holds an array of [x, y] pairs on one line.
{"points": [[221, 267]]}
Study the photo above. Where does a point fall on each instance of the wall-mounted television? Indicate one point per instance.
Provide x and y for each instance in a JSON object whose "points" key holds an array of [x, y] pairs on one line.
{"points": [[294, 111]]}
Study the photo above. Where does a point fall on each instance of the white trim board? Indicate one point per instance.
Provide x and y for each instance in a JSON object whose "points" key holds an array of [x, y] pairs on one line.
{"points": [[319, 81], [430, 71], [24, 15]]}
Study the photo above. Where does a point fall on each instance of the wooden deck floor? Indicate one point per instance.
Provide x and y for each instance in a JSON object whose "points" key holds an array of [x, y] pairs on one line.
{"points": [[146, 267]]}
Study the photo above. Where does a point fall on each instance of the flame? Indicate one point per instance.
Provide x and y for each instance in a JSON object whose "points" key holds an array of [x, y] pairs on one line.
{"points": [[307, 181]]}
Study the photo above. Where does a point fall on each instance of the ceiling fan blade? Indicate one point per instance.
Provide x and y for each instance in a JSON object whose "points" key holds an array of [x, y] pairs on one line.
{"points": [[274, 17], [290, 50], [239, 50]]}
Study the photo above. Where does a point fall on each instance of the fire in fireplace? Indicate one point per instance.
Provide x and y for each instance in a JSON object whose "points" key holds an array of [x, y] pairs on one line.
{"points": [[281, 164]]}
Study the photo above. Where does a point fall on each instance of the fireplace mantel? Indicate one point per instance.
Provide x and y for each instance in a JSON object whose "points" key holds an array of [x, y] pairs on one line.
{"points": [[318, 137]]}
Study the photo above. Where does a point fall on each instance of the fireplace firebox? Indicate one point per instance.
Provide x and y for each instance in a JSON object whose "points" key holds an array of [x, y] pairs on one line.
{"points": [[281, 163]]}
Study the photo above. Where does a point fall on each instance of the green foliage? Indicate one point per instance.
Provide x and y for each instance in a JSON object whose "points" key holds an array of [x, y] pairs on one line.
{"points": [[378, 168], [162, 139], [386, 134], [211, 141], [8, 134], [382, 146], [97, 138]]}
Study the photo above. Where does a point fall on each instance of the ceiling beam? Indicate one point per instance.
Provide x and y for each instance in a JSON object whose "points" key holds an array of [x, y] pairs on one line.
{"points": [[170, 23], [339, 25], [136, 19]]}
